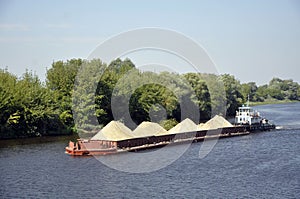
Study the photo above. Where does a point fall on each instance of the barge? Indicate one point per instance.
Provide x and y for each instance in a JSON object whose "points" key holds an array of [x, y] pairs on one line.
{"points": [[246, 121], [106, 147]]}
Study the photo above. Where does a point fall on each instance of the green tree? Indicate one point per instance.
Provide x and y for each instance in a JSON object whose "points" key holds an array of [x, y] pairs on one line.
{"points": [[274, 89], [85, 96], [289, 88], [202, 94], [147, 97], [233, 95], [7, 106], [60, 80], [298, 93], [262, 93], [106, 85], [169, 123], [30, 111], [249, 89]]}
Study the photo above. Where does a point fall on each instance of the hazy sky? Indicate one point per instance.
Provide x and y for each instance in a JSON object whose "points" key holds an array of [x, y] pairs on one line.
{"points": [[253, 40]]}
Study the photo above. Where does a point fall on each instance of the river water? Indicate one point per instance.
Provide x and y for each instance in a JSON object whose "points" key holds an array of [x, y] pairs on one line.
{"points": [[261, 165]]}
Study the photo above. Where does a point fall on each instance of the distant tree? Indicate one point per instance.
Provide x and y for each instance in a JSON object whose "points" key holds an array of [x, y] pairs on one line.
{"points": [[60, 80], [233, 95], [121, 67], [202, 94], [7, 106], [249, 89], [30, 111], [86, 97], [106, 85], [262, 93], [61, 76], [275, 81], [147, 96], [217, 93], [289, 88], [276, 93], [275, 89]]}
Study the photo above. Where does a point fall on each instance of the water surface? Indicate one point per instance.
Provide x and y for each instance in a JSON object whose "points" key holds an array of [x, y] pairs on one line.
{"points": [[261, 165]]}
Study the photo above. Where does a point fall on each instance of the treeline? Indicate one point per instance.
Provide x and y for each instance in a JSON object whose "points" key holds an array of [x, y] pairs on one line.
{"points": [[83, 95]]}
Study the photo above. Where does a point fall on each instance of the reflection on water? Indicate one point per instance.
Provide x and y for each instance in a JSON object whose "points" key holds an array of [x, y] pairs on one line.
{"points": [[36, 140], [262, 165]]}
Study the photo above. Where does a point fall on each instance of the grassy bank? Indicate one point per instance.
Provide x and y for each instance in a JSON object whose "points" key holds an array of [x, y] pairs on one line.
{"points": [[272, 101]]}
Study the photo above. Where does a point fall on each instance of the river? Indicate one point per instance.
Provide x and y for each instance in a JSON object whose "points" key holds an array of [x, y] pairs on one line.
{"points": [[260, 165]]}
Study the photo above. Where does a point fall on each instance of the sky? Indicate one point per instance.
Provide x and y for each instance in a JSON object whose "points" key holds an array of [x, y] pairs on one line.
{"points": [[252, 40]]}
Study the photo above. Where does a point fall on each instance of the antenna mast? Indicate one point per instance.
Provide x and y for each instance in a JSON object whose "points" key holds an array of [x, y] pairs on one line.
{"points": [[248, 101]]}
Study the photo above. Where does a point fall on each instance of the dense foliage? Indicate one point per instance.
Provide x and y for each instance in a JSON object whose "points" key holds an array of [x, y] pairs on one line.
{"points": [[96, 91]]}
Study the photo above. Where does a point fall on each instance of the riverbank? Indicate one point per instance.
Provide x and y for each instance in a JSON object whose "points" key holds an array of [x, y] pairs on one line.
{"points": [[272, 101]]}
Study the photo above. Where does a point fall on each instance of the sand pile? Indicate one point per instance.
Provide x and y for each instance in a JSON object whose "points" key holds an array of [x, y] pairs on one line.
{"points": [[186, 125], [113, 131], [199, 126], [215, 123], [146, 129]]}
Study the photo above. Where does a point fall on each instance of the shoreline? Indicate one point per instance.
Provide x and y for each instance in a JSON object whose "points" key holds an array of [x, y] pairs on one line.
{"points": [[270, 102]]}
